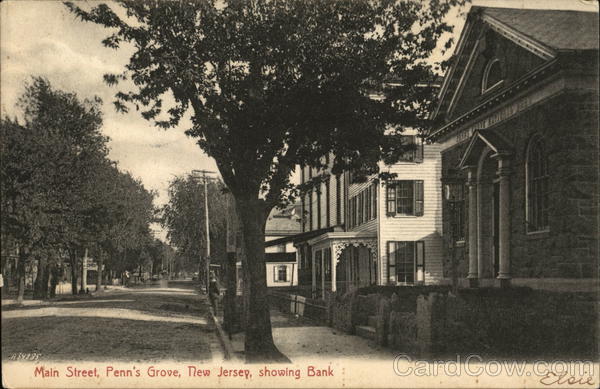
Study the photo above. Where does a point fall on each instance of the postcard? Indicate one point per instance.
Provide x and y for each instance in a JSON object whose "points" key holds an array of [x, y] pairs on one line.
{"points": [[299, 194]]}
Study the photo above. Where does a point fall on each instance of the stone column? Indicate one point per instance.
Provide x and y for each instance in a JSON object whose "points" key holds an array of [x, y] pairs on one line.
{"points": [[473, 275], [479, 228], [504, 220]]}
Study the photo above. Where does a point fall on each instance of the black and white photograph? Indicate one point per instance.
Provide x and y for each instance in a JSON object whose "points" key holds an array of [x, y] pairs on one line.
{"points": [[300, 193]]}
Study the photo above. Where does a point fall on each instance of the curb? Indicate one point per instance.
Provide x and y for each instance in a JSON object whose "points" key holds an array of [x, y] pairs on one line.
{"points": [[228, 350]]}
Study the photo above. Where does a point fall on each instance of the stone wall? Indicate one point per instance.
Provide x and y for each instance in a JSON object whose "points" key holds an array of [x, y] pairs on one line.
{"points": [[515, 322]]}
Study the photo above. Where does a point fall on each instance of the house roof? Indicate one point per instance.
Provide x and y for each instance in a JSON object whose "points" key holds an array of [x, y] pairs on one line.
{"points": [[558, 29], [282, 222]]}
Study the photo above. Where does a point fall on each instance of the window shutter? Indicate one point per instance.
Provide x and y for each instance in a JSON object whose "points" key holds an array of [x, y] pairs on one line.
{"points": [[275, 278], [287, 276], [420, 255], [419, 150], [418, 197], [390, 191]]}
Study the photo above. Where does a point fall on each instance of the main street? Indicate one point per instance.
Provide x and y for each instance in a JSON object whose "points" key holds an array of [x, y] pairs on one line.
{"points": [[142, 324]]}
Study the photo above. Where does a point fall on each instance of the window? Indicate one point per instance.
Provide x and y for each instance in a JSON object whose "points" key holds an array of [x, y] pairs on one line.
{"points": [[338, 200], [303, 216], [319, 207], [406, 261], [363, 206], [416, 153], [537, 186], [492, 75], [404, 198], [327, 264], [280, 273], [310, 210], [327, 202], [455, 199], [374, 199], [280, 248]]}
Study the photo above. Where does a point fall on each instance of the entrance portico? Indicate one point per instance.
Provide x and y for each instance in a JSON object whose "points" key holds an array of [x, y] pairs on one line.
{"points": [[341, 260], [486, 161]]}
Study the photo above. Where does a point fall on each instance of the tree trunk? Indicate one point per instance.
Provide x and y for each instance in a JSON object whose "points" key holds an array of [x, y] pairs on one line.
{"points": [[40, 291], [73, 263], [259, 345], [54, 280], [45, 280], [23, 256], [99, 261]]}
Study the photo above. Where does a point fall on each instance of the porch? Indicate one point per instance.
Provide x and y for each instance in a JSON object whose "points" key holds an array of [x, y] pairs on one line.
{"points": [[342, 261]]}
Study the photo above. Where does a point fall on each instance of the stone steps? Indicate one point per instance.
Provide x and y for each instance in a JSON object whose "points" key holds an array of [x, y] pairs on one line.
{"points": [[366, 332]]}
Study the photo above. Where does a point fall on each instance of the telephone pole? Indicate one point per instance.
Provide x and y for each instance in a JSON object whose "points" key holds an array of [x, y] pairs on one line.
{"points": [[205, 178]]}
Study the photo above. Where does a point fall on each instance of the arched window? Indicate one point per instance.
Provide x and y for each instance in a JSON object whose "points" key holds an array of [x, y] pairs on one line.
{"points": [[537, 186], [492, 75]]}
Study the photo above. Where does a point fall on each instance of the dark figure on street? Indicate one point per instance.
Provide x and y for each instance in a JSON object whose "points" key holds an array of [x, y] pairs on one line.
{"points": [[213, 292]]}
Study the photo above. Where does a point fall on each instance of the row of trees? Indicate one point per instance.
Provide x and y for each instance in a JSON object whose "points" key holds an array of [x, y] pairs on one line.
{"points": [[272, 84], [62, 197]]}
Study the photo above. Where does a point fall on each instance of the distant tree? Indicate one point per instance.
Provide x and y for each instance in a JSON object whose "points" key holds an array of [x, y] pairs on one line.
{"points": [[125, 211], [183, 217], [273, 84]]}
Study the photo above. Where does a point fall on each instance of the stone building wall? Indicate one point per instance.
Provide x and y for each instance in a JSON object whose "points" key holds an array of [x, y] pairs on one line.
{"points": [[568, 124]]}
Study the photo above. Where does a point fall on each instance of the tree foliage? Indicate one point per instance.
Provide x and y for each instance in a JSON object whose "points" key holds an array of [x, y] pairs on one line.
{"points": [[60, 192]]}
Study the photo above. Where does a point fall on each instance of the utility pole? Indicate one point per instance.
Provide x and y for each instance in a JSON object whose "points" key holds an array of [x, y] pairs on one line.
{"points": [[206, 220]]}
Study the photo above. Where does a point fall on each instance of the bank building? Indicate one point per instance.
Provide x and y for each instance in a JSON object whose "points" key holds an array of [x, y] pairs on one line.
{"points": [[517, 125]]}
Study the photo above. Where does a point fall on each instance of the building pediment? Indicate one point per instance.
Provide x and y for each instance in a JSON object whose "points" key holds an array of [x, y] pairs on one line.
{"points": [[479, 141], [500, 46]]}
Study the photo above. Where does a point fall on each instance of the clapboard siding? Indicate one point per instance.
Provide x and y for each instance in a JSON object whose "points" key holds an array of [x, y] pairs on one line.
{"points": [[426, 228]]}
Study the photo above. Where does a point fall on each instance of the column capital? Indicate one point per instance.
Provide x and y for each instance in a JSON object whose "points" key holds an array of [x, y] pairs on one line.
{"points": [[504, 168], [471, 174]]}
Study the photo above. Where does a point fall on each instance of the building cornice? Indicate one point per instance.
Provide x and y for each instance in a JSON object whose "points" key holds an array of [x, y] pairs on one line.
{"points": [[499, 97]]}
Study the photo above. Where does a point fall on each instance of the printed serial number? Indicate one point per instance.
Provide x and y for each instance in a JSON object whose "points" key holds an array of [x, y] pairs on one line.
{"points": [[25, 356]]}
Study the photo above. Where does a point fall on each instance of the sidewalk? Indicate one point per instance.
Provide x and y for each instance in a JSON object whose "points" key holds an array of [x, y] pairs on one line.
{"points": [[302, 340], [61, 298]]}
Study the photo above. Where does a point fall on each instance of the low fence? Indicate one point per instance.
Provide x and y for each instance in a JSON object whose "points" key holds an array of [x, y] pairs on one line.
{"points": [[299, 305]]}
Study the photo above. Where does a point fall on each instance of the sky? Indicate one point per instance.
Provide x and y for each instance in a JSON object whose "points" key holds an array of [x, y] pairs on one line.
{"points": [[43, 38]]}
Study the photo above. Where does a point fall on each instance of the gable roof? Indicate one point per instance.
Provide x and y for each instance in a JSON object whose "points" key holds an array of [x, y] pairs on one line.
{"points": [[557, 29], [546, 33], [284, 221]]}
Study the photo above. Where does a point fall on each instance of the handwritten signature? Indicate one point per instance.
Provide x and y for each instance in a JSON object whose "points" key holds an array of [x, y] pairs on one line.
{"points": [[552, 378]]}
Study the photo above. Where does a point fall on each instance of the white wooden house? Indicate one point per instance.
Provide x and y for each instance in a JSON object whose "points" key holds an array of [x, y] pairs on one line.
{"points": [[358, 234]]}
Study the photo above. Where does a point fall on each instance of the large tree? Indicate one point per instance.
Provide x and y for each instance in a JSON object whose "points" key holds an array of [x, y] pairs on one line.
{"points": [[276, 83], [49, 162]]}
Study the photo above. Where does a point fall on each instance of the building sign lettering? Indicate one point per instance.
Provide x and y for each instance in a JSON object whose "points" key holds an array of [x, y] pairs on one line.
{"points": [[494, 118]]}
